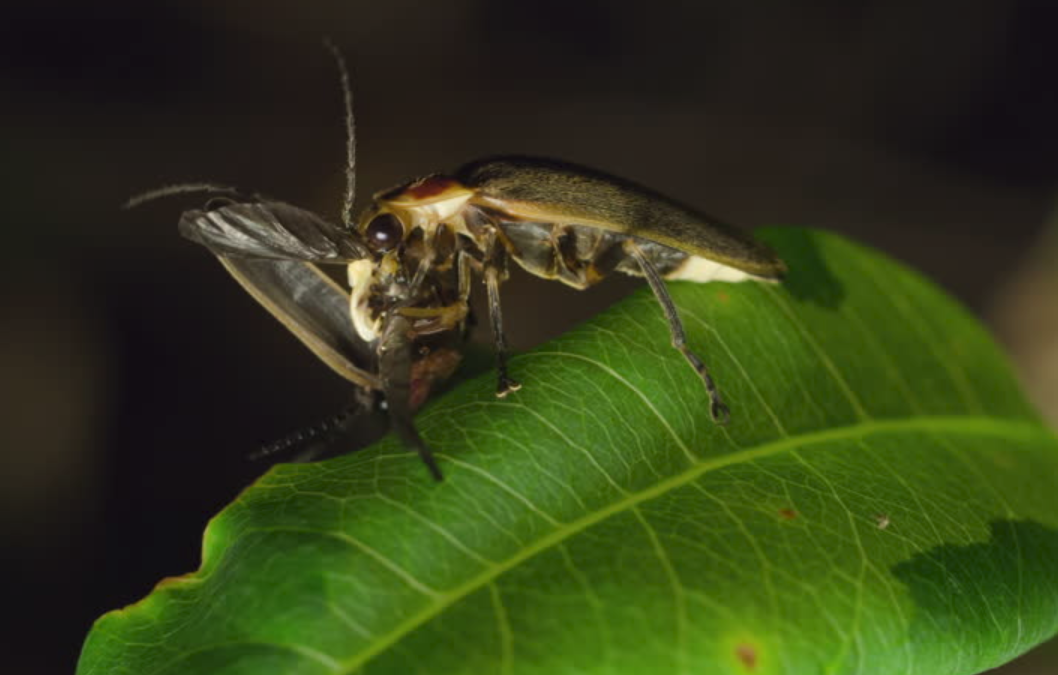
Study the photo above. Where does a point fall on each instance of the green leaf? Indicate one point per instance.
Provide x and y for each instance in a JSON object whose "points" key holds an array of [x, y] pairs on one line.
{"points": [[882, 501]]}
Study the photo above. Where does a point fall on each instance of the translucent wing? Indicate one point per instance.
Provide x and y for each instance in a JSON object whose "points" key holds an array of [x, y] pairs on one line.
{"points": [[272, 249], [313, 307], [269, 229]]}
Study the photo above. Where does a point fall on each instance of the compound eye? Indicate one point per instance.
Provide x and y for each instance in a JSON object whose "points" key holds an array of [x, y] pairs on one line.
{"points": [[384, 232]]}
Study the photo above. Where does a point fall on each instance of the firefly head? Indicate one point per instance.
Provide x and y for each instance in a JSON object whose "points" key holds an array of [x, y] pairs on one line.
{"points": [[382, 231], [416, 207]]}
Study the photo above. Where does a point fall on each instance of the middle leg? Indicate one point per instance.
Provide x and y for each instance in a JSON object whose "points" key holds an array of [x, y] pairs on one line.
{"points": [[495, 267]]}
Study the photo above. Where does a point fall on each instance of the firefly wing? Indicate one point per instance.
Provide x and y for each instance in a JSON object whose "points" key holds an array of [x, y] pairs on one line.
{"points": [[543, 190], [272, 249], [270, 229], [313, 307]]}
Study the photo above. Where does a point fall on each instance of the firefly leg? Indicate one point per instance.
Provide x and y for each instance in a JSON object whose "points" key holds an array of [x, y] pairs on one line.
{"points": [[494, 262], [394, 362], [430, 320], [427, 261], [463, 271], [401, 419], [506, 384], [717, 409]]}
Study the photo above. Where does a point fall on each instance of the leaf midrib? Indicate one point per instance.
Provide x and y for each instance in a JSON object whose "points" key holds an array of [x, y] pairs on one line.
{"points": [[979, 425]]}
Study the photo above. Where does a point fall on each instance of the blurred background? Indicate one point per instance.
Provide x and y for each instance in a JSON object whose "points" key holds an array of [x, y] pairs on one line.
{"points": [[135, 376]]}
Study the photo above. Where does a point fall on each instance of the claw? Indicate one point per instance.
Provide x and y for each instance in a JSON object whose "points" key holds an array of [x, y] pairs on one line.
{"points": [[506, 385], [720, 412]]}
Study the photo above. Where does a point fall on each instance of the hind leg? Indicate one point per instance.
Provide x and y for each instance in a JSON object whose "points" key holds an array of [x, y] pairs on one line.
{"points": [[717, 408]]}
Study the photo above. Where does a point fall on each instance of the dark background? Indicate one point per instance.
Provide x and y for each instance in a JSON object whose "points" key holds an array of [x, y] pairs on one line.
{"points": [[135, 376]]}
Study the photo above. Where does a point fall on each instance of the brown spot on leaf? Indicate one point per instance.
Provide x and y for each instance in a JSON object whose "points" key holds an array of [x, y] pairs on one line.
{"points": [[747, 655], [722, 296], [786, 513], [883, 520]]}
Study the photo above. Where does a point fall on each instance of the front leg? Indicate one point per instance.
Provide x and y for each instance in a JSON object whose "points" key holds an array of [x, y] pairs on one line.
{"points": [[432, 320], [395, 369], [495, 267]]}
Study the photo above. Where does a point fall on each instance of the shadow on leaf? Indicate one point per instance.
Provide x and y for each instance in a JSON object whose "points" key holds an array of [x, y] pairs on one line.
{"points": [[809, 278], [961, 591]]}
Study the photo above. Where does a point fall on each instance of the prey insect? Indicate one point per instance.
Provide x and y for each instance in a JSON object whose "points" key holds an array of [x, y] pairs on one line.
{"points": [[411, 254]]}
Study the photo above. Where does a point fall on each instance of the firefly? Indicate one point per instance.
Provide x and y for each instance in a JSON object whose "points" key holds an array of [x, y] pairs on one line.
{"points": [[411, 256]]}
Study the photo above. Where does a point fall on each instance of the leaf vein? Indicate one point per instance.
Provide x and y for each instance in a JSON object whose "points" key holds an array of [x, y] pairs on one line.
{"points": [[691, 457], [954, 424]]}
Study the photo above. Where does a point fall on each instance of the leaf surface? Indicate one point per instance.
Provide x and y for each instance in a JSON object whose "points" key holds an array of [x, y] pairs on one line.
{"points": [[882, 501]]}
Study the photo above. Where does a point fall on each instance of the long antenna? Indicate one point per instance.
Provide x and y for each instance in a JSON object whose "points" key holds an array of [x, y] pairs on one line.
{"points": [[303, 437], [181, 188], [350, 135]]}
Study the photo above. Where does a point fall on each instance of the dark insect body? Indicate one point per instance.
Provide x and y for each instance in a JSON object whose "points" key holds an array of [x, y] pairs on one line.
{"points": [[412, 253]]}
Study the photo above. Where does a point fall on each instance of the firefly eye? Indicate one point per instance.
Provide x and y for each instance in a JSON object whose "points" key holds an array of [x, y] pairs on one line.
{"points": [[384, 232]]}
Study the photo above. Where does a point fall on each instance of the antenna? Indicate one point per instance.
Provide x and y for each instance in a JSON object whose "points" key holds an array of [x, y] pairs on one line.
{"points": [[350, 135], [365, 403], [323, 429], [180, 188]]}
